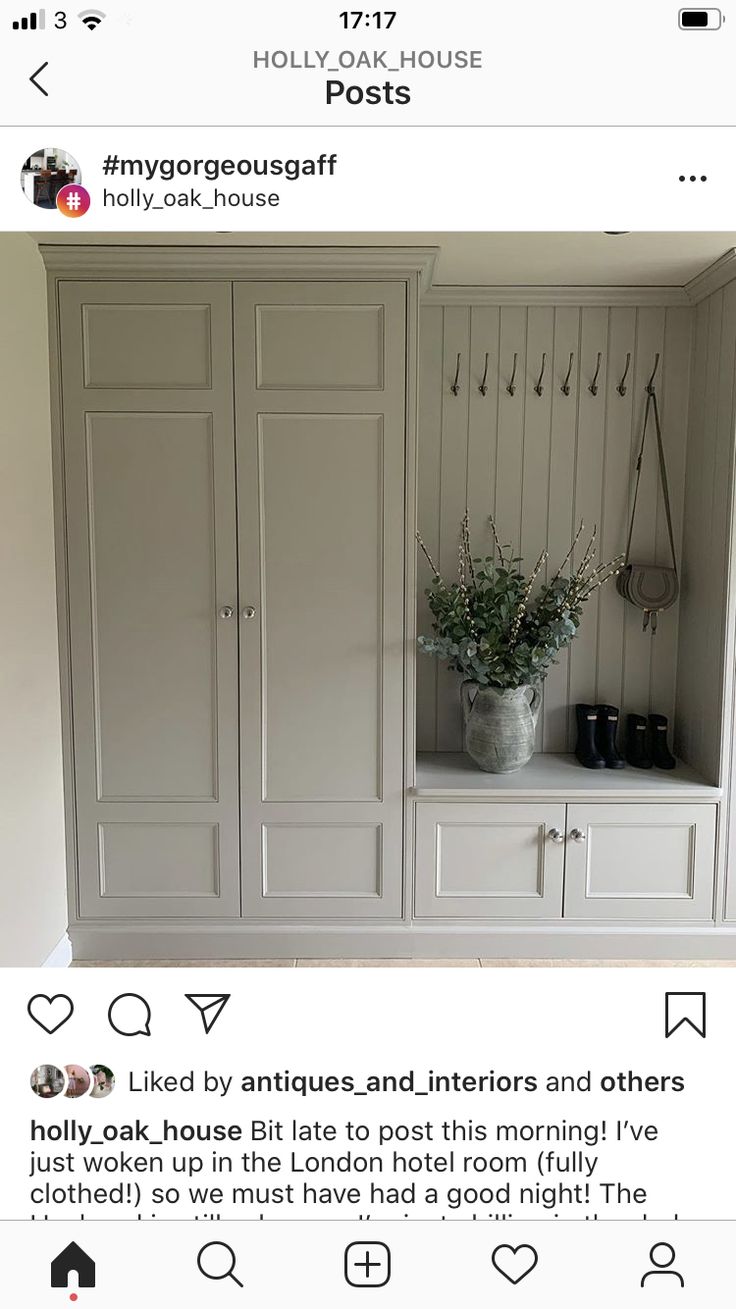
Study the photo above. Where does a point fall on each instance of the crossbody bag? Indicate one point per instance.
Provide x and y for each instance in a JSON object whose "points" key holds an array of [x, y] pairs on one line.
{"points": [[651, 587]]}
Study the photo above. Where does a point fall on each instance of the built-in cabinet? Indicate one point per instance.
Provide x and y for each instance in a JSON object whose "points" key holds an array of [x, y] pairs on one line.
{"points": [[234, 457], [653, 862], [242, 443]]}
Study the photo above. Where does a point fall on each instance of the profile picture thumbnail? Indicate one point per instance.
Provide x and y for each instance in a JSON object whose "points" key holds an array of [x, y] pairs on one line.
{"points": [[103, 1081], [46, 173], [77, 1081], [47, 1081]]}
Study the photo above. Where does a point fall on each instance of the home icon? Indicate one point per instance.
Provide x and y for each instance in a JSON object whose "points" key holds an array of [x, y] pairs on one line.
{"points": [[72, 1260]]}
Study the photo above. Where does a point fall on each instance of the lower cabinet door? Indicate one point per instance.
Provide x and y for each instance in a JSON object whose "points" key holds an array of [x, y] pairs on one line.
{"points": [[640, 861], [489, 860]]}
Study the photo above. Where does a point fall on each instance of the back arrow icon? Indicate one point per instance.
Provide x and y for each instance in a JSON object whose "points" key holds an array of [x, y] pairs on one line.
{"points": [[33, 77]]}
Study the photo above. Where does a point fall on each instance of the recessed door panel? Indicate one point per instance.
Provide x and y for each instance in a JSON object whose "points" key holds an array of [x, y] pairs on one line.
{"points": [[150, 480], [340, 859], [320, 347], [321, 548], [156, 346], [158, 860]]}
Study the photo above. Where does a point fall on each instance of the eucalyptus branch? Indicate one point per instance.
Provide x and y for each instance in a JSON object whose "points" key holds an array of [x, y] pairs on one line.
{"points": [[488, 625]]}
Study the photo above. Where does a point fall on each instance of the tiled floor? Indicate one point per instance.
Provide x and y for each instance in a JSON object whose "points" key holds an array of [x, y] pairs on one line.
{"points": [[408, 963]]}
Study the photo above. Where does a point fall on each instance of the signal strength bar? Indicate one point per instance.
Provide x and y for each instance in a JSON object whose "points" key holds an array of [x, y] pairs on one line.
{"points": [[35, 22]]}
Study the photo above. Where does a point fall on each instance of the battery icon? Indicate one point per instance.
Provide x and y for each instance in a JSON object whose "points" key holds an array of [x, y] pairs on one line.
{"points": [[700, 20]]}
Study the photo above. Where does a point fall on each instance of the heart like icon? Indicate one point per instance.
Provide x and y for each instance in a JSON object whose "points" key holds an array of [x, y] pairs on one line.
{"points": [[514, 1262], [50, 1011]]}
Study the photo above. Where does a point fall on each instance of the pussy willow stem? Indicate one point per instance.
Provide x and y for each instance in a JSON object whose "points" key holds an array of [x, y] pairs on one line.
{"points": [[466, 545], [569, 553], [496, 541], [429, 558]]}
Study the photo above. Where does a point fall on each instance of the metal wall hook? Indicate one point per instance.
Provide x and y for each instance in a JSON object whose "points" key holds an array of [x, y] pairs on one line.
{"points": [[455, 388], [511, 388], [593, 388], [621, 388], [650, 383], [565, 388], [538, 384], [483, 388]]}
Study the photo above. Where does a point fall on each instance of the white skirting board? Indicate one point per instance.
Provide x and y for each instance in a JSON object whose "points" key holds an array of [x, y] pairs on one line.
{"points": [[61, 955], [161, 942]]}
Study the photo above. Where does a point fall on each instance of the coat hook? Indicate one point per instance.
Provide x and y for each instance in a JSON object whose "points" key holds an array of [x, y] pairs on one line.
{"points": [[593, 388], [455, 388], [483, 387], [650, 383], [538, 384], [511, 388], [621, 388], [565, 388]]}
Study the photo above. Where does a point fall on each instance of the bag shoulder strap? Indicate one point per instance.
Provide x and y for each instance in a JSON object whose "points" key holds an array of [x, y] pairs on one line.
{"points": [[653, 407]]}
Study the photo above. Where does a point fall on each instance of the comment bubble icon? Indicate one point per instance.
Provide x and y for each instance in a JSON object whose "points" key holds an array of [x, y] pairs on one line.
{"points": [[130, 1015]]}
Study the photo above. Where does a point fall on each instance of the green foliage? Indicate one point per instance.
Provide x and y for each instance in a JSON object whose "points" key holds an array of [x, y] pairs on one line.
{"points": [[492, 627]]}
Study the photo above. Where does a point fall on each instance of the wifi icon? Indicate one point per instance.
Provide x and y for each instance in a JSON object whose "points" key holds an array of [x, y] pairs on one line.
{"points": [[91, 18]]}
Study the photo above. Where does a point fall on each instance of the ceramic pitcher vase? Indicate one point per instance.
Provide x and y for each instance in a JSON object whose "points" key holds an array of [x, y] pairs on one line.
{"points": [[500, 726]]}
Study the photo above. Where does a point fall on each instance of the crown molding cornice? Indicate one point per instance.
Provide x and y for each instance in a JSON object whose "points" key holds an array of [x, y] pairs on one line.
{"points": [[556, 295], [712, 279], [135, 262]]}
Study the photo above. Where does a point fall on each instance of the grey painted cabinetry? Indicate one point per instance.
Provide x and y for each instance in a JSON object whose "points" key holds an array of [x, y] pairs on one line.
{"points": [[612, 862], [233, 460], [149, 468], [235, 463]]}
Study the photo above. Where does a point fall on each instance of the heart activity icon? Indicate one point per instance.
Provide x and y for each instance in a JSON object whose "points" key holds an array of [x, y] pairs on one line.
{"points": [[514, 1262]]}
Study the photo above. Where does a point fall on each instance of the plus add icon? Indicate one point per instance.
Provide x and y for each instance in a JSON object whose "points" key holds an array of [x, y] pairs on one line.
{"points": [[367, 1263]]}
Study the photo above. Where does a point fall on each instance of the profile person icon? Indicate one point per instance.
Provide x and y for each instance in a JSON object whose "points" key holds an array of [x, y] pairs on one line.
{"points": [[662, 1255]]}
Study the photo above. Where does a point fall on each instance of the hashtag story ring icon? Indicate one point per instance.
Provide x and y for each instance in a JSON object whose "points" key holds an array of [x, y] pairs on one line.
{"points": [[73, 201]]}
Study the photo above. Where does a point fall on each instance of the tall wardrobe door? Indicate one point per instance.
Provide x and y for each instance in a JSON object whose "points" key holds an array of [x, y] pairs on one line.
{"points": [[149, 467], [320, 405]]}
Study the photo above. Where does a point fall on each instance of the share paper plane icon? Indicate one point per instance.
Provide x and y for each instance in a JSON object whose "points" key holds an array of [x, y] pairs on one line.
{"points": [[210, 1007]]}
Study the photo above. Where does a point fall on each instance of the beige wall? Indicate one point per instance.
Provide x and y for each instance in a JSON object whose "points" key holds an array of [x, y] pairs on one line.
{"points": [[32, 891]]}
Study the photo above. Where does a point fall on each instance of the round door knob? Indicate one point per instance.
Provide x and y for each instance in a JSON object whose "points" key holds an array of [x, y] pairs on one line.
{"points": [[577, 835], [227, 611], [555, 835], [249, 612]]}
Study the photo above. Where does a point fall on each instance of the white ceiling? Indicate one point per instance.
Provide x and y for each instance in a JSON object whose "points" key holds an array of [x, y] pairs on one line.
{"points": [[489, 258]]}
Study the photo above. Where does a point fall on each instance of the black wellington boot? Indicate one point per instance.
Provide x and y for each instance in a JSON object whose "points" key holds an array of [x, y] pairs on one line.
{"points": [[660, 750], [586, 750], [605, 736], [637, 746]]}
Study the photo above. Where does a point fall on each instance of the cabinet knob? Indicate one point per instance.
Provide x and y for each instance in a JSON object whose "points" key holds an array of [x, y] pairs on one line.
{"points": [[249, 612], [577, 835], [555, 835], [227, 611]]}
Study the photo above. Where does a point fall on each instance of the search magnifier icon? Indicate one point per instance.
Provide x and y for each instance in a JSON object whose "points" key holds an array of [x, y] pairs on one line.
{"points": [[216, 1260]]}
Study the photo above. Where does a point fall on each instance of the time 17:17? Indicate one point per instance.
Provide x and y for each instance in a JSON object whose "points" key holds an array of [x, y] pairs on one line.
{"points": [[382, 18]]}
